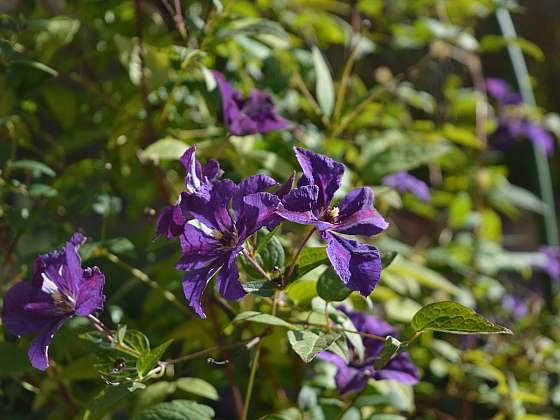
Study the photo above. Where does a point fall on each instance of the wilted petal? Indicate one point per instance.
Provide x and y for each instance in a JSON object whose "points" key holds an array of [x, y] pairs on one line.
{"points": [[38, 351], [90, 296], [358, 265], [322, 171], [227, 280], [256, 211]]}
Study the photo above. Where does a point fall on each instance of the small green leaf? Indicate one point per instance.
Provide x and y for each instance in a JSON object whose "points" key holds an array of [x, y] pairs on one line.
{"points": [[148, 360], [13, 360], [137, 341], [308, 343], [390, 348], [324, 87], [164, 149], [331, 288], [197, 386], [177, 410], [262, 319], [340, 348], [454, 318], [309, 259], [271, 252], [387, 257]]}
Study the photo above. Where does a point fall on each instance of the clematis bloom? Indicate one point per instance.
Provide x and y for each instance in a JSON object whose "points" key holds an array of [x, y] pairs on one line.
{"points": [[205, 254], [357, 264], [60, 290], [251, 115], [404, 182], [198, 178], [551, 264], [353, 377]]}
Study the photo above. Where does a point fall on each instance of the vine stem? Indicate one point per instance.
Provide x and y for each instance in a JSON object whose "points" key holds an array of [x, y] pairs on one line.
{"points": [[340, 329], [255, 264], [298, 252], [109, 335]]}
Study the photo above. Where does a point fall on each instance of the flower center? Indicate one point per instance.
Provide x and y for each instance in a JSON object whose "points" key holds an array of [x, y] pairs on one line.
{"points": [[228, 240], [63, 303], [332, 214]]}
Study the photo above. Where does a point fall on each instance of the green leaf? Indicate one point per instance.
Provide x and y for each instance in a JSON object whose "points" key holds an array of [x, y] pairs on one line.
{"points": [[261, 318], [331, 288], [307, 343], [149, 359], [462, 136], [309, 259], [37, 168], [106, 400], [42, 190], [272, 252], [454, 318], [460, 210], [164, 149], [340, 348], [387, 258], [324, 87], [177, 410], [197, 386], [13, 360], [137, 341], [390, 348]]}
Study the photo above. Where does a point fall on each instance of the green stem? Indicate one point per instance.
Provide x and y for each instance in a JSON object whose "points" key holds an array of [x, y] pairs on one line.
{"points": [[255, 264], [300, 248], [251, 382], [522, 75]]}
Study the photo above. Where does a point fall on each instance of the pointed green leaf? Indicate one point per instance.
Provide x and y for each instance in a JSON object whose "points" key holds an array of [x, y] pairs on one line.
{"points": [[324, 87], [390, 348], [454, 318], [177, 410], [307, 343], [262, 319], [148, 360], [331, 288], [197, 386]]}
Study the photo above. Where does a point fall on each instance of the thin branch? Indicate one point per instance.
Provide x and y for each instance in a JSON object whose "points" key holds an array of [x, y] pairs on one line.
{"points": [[298, 252], [255, 264]]}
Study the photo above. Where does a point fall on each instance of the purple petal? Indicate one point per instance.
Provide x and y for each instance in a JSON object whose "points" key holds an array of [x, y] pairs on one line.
{"points": [[542, 138], [251, 185], [18, 316], [358, 265], [357, 215], [497, 88], [227, 280], [38, 351], [90, 296], [170, 222], [301, 199], [256, 211], [405, 182], [213, 212], [193, 170], [195, 240], [212, 171], [194, 283], [400, 369], [322, 171]]}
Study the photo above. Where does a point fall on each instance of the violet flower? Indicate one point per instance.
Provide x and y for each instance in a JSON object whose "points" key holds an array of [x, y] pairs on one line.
{"points": [[60, 290], [404, 182], [357, 264], [205, 254], [513, 124], [198, 178], [515, 305], [251, 115], [551, 263], [353, 377]]}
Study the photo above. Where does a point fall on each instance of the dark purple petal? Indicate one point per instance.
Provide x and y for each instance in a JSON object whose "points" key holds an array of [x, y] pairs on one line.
{"points": [[213, 212], [405, 182], [194, 283], [542, 138], [357, 264], [322, 171], [227, 280], [194, 240], [256, 211], [250, 185], [348, 379], [256, 114], [90, 296], [19, 315], [212, 171], [193, 170], [38, 351], [301, 199], [357, 216], [286, 187], [170, 222], [400, 369]]}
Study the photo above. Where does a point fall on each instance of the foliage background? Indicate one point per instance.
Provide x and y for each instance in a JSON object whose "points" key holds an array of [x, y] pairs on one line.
{"points": [[90, 89]]}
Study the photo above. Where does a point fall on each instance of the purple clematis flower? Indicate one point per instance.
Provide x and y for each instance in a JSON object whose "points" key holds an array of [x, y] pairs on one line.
{"points": [[353, 377], [404, 182], [513, 124], [515, 305], [357, 264], [205, 254], [198, 178], [551, 263], [251, 115], [60, 290]]}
